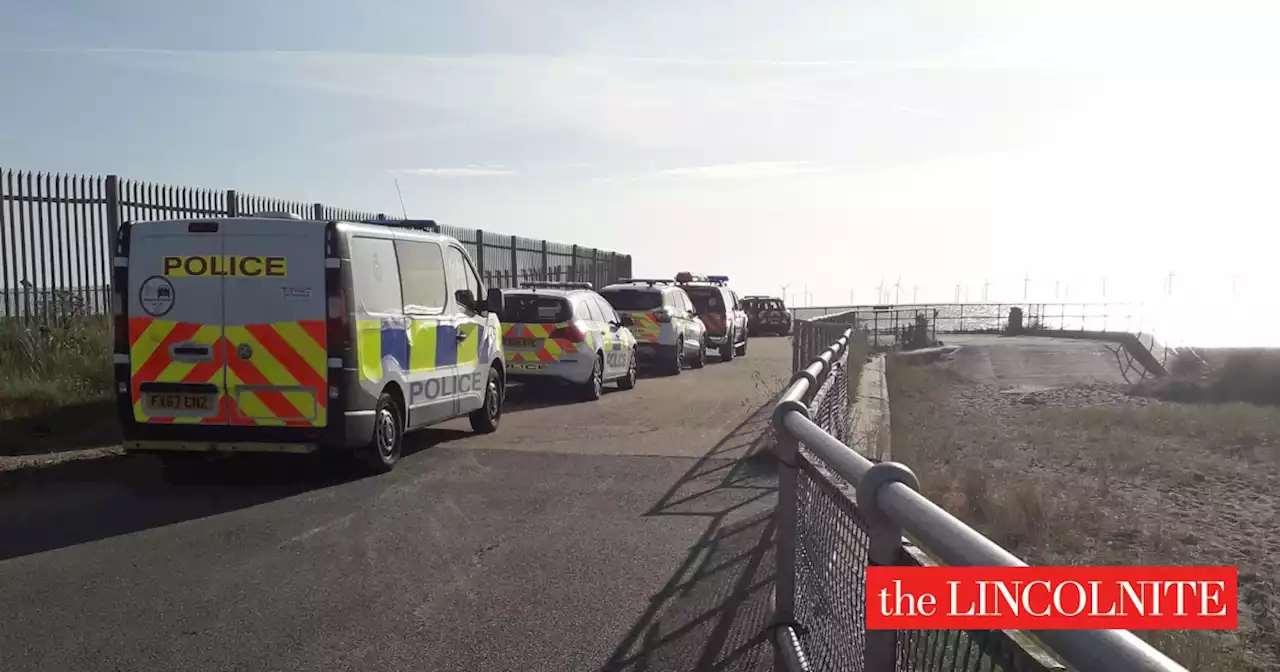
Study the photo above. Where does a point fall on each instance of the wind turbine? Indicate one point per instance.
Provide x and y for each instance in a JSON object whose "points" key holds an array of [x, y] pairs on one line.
{"points": [[784, 291], [915, 293], [880, 291], [985, 284], [897, 290], [1026, 284]]}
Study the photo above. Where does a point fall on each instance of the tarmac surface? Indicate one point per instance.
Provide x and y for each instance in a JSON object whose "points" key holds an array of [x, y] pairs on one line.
{"points": [[1033, 361], [630, 533]]}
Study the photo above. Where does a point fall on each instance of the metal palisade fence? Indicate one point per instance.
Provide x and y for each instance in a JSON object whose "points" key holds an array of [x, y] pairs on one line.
{"points": [[56, 233], [839, 512]]}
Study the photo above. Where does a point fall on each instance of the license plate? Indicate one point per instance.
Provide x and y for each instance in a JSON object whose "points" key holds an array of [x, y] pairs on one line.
{"points": [[527, 367], [531, 343], [180, 402]]}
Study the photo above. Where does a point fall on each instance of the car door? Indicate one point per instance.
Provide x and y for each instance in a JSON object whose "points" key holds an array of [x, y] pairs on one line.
{"points": [[616, 356], [431, 368], [691, 325], [469, 329]]}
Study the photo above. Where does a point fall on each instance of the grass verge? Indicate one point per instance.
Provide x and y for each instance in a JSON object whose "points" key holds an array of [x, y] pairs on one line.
{"points": [[55, 385], [1098, 478]]}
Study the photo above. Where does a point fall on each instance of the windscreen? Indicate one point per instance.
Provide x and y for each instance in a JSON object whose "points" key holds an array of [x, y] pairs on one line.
{"points": [[535, 309], [633, 299], [706, 299]]}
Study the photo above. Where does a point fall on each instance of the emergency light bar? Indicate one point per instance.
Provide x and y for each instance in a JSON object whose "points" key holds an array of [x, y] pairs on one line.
{"points": [[428, 225], [648, 281], [685, 277], [552, 284]]}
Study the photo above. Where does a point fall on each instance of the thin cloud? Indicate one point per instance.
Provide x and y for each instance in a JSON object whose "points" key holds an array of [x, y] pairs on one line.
{"points": [[460, 171]]}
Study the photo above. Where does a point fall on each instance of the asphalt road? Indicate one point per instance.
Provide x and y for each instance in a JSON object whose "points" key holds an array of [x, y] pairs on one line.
{"points": [[628, 533]]}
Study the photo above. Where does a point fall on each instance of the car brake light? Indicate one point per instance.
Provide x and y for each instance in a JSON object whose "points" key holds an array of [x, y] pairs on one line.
{"points": [[572, 333], [662, 315]]}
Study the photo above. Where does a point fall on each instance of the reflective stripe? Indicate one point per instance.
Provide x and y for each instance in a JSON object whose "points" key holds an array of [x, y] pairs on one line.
{"points": [[552, 348], [646, 327], [286, 356], [422, 345]]}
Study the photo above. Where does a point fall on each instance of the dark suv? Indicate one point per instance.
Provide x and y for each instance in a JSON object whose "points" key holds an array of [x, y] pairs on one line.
{"points": [[720, 311], [766, 315]]}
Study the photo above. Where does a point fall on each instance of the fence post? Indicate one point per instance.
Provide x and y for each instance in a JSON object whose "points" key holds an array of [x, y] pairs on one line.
{"points": [[787, 450], [573, 265], [115, 216], [546, 270], [515, 261], [233, 204], [317, 211], [594, 275], [884, 549], [480, 252]]}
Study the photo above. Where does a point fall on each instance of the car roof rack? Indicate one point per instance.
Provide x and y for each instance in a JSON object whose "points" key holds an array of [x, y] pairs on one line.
{"points": [[648, 281], [553, 284], [428, 225]]}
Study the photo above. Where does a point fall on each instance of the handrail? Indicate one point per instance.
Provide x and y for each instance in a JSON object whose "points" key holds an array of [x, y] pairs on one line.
{"points": [[886, 494]]}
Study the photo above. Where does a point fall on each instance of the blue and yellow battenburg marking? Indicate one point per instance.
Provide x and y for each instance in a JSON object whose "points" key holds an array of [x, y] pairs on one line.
{"points": [[418, 346]]}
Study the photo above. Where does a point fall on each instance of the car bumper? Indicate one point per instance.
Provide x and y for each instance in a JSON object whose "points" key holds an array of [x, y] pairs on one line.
{"points": [[647, 353], [577, 370]]}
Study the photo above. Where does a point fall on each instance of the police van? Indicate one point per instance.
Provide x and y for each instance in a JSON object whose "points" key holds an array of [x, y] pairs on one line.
{"points": [[271, 333], [564, 331]]}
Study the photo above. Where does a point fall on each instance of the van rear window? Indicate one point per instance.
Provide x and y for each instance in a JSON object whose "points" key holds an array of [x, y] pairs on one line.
{"points": [[706, 299], [534, 309], [633, 299]]}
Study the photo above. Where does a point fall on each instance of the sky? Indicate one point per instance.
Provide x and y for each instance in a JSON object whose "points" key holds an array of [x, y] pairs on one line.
{"points": [[833, 146]]}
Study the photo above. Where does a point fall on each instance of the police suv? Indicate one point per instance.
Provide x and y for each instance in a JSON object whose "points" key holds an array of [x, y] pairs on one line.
{"points": [[667, 330], [271, 333], [564, 331], [718, 307]]}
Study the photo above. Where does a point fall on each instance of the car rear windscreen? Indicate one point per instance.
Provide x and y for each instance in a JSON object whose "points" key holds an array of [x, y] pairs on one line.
{"points": [[706, 299], [633, 299], [535, 309]]}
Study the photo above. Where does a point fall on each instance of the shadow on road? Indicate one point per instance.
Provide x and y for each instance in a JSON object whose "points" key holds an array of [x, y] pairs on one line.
{"points": [[47, 508], [71, 427], [532, 396], [711, 614]]}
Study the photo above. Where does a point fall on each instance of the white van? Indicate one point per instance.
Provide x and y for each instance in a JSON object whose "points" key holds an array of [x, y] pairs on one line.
{"points": [[271, 333]]}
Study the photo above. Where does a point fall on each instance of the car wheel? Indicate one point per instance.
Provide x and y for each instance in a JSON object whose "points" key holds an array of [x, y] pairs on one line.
{"points": [[593, 389], [484, 420], [676, 362], [387, 442], [628, 381]]}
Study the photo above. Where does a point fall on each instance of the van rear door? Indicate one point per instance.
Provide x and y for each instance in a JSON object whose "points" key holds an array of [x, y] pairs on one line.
{"points": [[175, 331], [274, 308]]}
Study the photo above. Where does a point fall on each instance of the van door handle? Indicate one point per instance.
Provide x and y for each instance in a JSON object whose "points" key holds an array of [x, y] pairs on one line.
{"points": [[191, 352]]}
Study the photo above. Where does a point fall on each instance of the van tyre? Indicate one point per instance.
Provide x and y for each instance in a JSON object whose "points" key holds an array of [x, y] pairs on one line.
{"points": [[387, 443], [727, 350], [701, 360], [484, 420], [676, 361], [742, 349], [628, 381], [593, 389]]}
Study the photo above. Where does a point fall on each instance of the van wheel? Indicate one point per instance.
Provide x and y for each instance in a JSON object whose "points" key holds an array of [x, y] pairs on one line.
{"points": [[628, 381], [701, 361], [676, 361], [593, 389], [727, 350], [742, 349], [484, 420], [387, 442]]}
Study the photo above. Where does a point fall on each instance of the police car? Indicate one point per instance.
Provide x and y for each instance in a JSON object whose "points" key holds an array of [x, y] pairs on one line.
{"points": [[564, 331], [667, 330], [720, 310], [270, 333]]}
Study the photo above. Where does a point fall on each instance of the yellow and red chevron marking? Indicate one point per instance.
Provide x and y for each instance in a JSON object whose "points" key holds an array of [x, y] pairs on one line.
{"points": [[286, 354], [646, 327], [714, 322], [552, 348]]}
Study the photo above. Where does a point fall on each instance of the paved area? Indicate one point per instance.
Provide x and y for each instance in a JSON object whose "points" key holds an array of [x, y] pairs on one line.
{"points": [[630, 533], [1033, 361]]}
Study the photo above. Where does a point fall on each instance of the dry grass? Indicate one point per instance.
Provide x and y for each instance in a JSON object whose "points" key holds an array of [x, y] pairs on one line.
{"points": [[1219, 375], [1090, 476]]}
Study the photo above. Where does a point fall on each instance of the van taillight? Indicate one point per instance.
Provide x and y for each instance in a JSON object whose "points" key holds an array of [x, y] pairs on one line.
{"points": [[339, 333], [572, 333], [120, 321]]}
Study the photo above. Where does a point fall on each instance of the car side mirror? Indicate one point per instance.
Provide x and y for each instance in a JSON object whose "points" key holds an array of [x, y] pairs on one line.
{"points": [[626, 320], [493, 301], [467, 300]]}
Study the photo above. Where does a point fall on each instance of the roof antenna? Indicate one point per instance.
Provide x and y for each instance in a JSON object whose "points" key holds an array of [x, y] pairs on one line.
{"points": [[403, 210]]}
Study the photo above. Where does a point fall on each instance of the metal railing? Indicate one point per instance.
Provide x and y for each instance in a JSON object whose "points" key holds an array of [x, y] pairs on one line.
{"points": [[839, 512], [56, 233]]}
